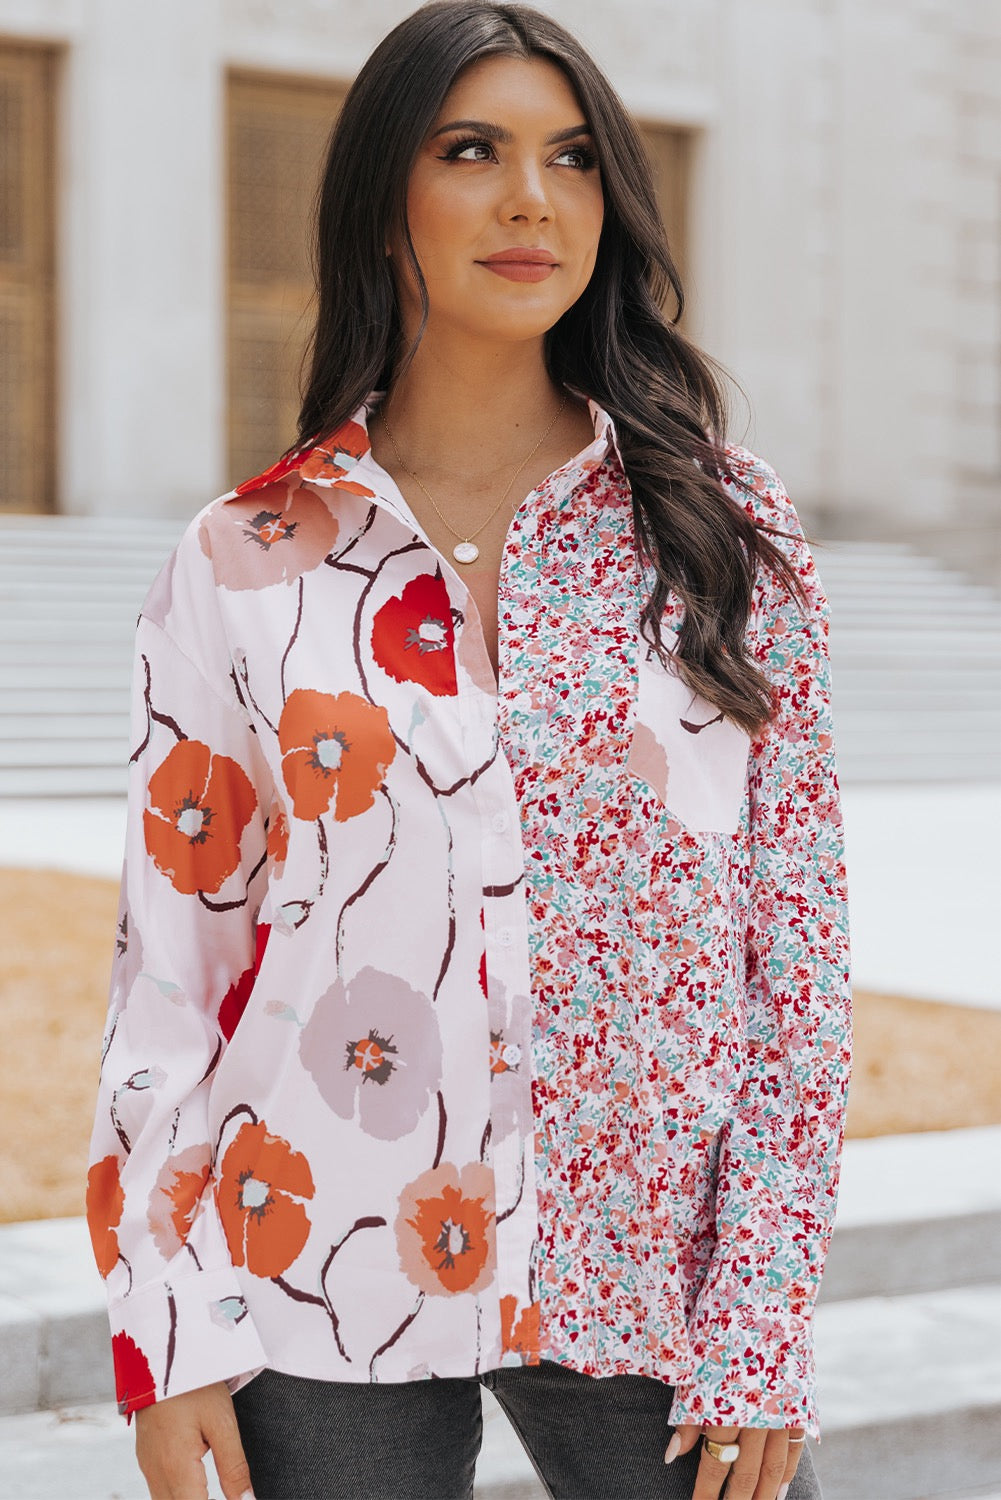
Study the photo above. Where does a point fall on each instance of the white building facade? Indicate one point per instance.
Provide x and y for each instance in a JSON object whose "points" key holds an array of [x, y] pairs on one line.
{"points": [[842, 224]]}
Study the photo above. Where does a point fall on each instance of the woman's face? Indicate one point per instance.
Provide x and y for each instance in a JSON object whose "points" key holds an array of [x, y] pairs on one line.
{"points": [[505, 204]]}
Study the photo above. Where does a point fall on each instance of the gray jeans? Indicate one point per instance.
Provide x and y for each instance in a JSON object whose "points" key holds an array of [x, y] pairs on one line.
{"points": [[588, 1439]]}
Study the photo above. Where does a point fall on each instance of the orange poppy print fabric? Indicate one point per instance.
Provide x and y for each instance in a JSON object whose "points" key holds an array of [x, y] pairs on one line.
{"points": [[260, 1195], [335, 750], [199, 806], [459, 1022]]}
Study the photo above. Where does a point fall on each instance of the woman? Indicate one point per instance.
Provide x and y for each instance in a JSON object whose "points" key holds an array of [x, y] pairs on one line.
{"points": [[481, 1011]]}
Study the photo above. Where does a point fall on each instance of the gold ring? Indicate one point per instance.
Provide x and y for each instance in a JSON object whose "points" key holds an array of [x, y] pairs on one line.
{"points": [[724, 1453]]}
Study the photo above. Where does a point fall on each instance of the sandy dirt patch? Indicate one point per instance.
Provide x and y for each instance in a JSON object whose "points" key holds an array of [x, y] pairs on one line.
{"points": [[919, 1066]]}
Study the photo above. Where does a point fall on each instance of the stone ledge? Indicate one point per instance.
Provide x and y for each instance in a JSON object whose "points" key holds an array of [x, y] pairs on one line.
{"points": [[945, 1457]]}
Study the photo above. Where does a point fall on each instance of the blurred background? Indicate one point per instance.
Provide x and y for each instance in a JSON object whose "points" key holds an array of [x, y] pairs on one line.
{"points": [[830, 177]]}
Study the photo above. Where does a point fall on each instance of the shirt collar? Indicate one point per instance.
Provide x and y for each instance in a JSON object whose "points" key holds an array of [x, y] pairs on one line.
{"points": [[604, 431]]}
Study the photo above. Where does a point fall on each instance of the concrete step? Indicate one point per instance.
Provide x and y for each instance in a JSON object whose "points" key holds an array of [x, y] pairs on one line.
{"points": [[78, 564], [54, 1339], [876, 554], [910, 1392], [60, 726], [75, 647], [907, 591], [65, 701], [923, 618], [938, 704], [81, 752], [876, 774], [61, 781], [88, 539], [928, 751], [909, 1324], [921, 690], [868, 670], [107, 660], [916, 1213], [95, 629], [853, 566], [852, 573], [975, 756], [923, 762], [106, 606], [75, 558], [896, 724], [852, 560], [55, 580], [15, 676], [24, 523], [868, 774], [850, 639], [930, 654]]}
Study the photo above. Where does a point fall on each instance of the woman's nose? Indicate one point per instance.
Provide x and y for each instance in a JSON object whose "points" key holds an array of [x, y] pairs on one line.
{"points": [[527, 194]]}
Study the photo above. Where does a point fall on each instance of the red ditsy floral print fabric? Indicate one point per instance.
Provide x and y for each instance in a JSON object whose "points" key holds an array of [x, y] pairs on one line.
{"points": [[472, 1021]]}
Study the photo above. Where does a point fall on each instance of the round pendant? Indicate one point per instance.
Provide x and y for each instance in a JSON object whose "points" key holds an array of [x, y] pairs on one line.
{"points": [[465, 552]]}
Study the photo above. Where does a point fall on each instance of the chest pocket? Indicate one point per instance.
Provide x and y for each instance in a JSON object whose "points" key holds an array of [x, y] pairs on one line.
{"points": [[683, 747]]}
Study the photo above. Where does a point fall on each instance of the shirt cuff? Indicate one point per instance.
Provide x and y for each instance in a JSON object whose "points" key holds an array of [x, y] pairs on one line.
{"points": [[174, 1337], [754, 1367]]}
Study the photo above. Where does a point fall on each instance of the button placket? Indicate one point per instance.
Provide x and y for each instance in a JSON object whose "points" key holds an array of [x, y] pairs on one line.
{"points": [[507, 975]]}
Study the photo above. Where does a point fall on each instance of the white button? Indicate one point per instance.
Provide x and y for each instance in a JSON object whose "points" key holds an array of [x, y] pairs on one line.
{"points": [[505, 936], [499, 822], [512, 1054]]}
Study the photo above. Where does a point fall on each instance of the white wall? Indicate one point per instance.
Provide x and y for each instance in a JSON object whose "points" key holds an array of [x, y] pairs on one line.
{"points": [[139, 309], [846, 229], [978, 262]]}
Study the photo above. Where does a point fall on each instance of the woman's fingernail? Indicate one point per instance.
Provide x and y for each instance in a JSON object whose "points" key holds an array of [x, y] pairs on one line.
{"points": [[247, 1495], [783, 1492], [673, 1449]]}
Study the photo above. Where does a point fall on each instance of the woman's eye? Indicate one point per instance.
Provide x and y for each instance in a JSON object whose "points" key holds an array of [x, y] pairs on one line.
{"points": [[469, 151], [581, 157]]}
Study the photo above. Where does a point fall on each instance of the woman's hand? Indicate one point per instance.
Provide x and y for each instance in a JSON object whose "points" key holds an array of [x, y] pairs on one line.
{"points": [[764, 1470], [173, 1436]]}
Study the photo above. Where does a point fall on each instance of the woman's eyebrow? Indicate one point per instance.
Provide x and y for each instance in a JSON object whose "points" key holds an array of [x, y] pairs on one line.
{"points": [[503, 136]]}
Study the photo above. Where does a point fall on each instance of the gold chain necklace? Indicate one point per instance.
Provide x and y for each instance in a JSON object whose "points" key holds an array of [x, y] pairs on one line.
{"points": [[466, 550]]}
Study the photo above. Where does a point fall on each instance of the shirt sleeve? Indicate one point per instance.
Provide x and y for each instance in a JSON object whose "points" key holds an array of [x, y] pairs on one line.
{"points": [[752, 1333], [195, 854]]}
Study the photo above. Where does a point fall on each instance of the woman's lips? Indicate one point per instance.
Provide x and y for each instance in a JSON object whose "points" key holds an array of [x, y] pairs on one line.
{"points": [[521, 265]]}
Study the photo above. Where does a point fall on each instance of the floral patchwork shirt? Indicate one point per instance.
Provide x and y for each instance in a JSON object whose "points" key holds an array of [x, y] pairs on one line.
{"points": [[457, 1021]]}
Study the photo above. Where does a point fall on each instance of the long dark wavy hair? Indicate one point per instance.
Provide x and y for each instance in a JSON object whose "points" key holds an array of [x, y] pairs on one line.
{"points": [[615, 344]]}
